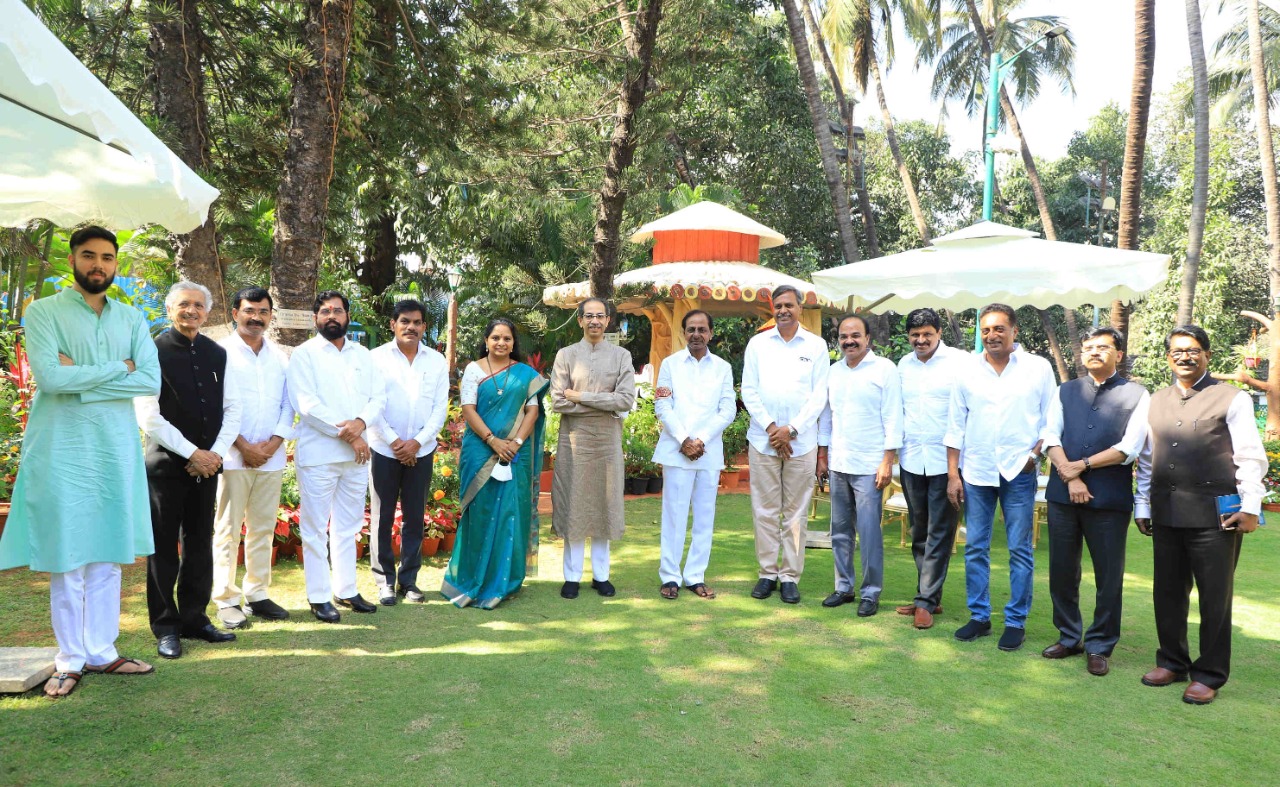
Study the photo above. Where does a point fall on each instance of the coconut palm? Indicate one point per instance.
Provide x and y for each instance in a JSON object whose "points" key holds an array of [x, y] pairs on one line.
{"points": [[1231, 75], [1200, 165]]}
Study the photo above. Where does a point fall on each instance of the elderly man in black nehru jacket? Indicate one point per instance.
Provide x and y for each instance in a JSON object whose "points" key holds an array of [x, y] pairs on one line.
{"points": [[1203, 446], [1095, 429]]}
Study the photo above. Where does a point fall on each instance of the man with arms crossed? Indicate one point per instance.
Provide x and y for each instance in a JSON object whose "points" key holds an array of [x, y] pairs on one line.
{"points": [[784, 387], [695, 403], [862, 424], [90, 357], [997, 413]]}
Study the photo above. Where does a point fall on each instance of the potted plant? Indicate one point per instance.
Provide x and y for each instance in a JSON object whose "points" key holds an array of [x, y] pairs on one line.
{"points": [[640, 433], [550, 441], [1271, 481], [431, 539], [735, 444]]}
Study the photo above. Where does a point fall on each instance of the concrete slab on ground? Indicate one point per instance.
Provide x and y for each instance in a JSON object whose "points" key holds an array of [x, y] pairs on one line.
{"points": [[22, 669]]}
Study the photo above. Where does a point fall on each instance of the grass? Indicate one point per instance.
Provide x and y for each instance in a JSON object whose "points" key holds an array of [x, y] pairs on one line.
{"points": [[636, 689]]}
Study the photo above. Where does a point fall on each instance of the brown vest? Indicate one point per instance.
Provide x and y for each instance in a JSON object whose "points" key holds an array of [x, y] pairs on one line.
{"points": [[1190, 454]]}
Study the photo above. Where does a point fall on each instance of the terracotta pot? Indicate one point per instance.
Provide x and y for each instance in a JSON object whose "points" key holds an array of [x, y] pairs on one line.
{"points": [[446, 543], [4, 515], [654, 486], [1271, 506], [430, 546], [395, 545], [729, 479], [240, 554], [275, 554], [544, 480], [359, 549]]}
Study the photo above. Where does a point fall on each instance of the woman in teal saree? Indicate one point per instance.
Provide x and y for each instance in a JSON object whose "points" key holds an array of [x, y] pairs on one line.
{"points": [[498, 470]]}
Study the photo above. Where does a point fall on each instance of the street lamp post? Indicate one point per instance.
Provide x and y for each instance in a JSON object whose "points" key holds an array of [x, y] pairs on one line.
{"points": [[451, 347], [998, 68]]}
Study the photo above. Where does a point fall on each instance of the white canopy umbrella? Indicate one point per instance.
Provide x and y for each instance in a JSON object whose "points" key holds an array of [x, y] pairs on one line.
{"points": [[991, 262], [71, 152]]}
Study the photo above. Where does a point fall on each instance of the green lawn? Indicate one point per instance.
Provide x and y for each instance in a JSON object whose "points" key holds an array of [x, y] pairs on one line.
{"points": [[636, 689]]}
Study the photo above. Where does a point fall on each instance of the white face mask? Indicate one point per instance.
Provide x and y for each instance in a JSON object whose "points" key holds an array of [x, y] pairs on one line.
{"points": [[501, 472]]}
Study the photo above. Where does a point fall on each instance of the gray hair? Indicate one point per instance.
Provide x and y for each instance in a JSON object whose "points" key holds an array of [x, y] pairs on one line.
{"points": [[186, 286]]}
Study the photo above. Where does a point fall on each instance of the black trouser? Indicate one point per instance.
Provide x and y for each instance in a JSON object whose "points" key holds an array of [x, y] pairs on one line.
{"points": [[389, 480], [181, 511], [933, 532], [1105, 533], [1208, 557]]}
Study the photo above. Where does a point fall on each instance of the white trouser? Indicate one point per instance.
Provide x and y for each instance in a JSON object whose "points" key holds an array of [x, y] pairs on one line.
{"points": [[573, 554], [85, 606], [251, 496], [332, 499], [682, 487]]}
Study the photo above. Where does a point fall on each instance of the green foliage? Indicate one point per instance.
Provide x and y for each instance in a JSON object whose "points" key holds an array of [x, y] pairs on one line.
{"points": [[640, 432], [735, 438]]}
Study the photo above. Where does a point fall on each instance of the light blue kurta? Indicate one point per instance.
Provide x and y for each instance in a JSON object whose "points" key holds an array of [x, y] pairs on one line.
{"points": [[81, 493]]}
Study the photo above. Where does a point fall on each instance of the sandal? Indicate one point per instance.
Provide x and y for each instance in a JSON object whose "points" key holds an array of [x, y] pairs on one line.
{"points": [[62, 678], [701, 590], [669, 590], [114, 668]]}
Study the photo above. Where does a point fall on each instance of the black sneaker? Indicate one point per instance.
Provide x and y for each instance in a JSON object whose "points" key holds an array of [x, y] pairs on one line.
{"points": [[569, 590], [973, 629], [1011, 639], [604, 588], [412, 594], [764, 588]]}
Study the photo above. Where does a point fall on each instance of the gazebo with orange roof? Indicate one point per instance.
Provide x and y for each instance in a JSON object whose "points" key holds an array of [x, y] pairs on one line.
{"points": [[705, 256]]}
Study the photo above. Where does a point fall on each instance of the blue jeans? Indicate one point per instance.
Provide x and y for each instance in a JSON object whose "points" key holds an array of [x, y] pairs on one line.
{"points": [[1017, 502]]}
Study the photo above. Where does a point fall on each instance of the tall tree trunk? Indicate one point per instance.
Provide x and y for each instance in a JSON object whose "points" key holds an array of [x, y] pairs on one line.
{"points": [[1271, 194], [1037, 188], [822, 130], [384, 80], [1200, 167], [381, 252], [908, 185], [622, 145], [302, 201], [1135, 143], [681, 160], [177, 80], [1055, 349]]}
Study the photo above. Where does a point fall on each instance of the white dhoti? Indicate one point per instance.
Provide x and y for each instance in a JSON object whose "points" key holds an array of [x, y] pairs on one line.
{"points": [[85, 607], [575, 551], [332, 499], [251, 497], [681, 489]]}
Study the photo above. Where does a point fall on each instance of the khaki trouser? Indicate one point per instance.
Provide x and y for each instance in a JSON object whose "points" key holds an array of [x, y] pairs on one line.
{"points": [[780, 493], [252, 496]]}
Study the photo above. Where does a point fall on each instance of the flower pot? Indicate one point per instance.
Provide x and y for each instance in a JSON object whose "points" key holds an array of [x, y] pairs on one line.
{"points": [[240, 554], [359, 549], [275, 553], [446, 543], [637, 486], [430, 546], [1271, 506], [544, 480], [1251, 363], [4, 515], [654, 486], [729, 479]]}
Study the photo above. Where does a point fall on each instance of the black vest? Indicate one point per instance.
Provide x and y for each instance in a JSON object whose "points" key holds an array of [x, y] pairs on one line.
{"points": [[1094, 418], [1191, 454], [191, 379]]}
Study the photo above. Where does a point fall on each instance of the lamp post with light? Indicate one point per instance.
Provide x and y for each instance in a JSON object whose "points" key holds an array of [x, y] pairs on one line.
{"points": [[451, 347], [999, 67]]}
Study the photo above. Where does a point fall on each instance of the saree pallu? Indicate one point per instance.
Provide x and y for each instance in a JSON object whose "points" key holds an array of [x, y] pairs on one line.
{"points": [[497, 542]]}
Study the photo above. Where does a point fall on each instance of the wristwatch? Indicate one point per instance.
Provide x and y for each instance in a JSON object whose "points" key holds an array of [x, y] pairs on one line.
{"points": [[518, 441], [791, 430], [1087, 464]]}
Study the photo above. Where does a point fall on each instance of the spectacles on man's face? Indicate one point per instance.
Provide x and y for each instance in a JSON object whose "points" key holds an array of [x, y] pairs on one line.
{"points": [[1101, 349], [1186, 352], [251, 312], [336, 311]]}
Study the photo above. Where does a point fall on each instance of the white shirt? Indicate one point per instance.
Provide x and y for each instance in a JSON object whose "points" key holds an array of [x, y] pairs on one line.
{"points": [[417, 398], [996, 419], [701, 405], [926, 399], [785, 383], [146, 410], [258, 380], [1247, 453], [1131, 442], [863, 416], [326, 386]]}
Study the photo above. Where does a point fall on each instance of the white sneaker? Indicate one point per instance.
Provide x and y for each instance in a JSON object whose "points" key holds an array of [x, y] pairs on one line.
{"points": [[387, 596], [232, 617]]}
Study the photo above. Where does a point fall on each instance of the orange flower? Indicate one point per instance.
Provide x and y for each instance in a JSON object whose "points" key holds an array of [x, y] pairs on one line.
{"points": [[446, 471], [439, 495]]}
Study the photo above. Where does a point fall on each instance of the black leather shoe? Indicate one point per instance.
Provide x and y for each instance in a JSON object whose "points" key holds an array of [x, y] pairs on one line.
{"points": [[169, 646], [764, 588], [569, 590], [209, 633], [837, 598], [325, 613], [604, 588], [356, 603], [868, 607], [268, 610], [789, 592]]}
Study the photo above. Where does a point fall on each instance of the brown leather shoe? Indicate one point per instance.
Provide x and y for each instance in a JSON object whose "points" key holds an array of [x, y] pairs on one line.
{"points": [[1163, 677], [1059, 651], [1097, 665], [924, 618], [910, 609], [1198, 694]]}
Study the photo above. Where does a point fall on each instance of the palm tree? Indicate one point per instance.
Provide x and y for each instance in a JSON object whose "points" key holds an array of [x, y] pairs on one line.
{"points": [[1200, 166], [822, 130], [1231, 82], [1135, 143]]}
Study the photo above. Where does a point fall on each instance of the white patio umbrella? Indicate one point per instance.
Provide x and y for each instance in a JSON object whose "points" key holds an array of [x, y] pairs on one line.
{"points": [[71, 152], [990, 262]]}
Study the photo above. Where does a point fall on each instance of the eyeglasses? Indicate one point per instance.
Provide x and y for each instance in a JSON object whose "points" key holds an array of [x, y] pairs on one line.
{"points": [[1189, 352], [255, 312], [336, 311], [1097, 348]]}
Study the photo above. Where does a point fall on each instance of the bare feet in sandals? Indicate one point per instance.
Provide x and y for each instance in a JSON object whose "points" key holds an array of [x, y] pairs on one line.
{"points": [[121, 666], [61, 684], [701, 590], [669, 590]]}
